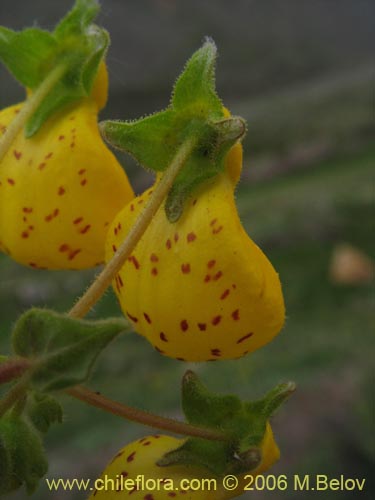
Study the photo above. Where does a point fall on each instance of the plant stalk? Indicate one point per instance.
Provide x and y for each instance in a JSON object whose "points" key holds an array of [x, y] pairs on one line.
{"points": [[143, 417], [29, 108], [103, 280], [17, 391]]}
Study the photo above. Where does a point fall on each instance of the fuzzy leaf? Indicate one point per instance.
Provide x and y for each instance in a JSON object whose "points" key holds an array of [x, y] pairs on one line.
{"points": [[63, 350], [22, 456], [44, 410]]}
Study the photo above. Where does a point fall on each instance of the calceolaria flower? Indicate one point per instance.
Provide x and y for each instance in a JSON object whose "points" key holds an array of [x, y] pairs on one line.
{"points": [[159, 467], [134, 471], [196, 286], [60, 186]]}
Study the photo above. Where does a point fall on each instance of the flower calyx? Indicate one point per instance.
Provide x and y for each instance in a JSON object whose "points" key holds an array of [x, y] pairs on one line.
{"points": [[245, 424], [74, 49], [195, 112]]}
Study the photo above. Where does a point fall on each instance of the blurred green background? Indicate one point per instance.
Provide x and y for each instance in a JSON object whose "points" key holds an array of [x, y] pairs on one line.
{"points": [[300, 72]]}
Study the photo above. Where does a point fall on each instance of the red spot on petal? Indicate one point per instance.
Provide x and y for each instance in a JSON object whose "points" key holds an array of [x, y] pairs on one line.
{"points": [[176, 237], [27, 210], [78, 220], [61, 137], [168, 244], [64, 247], [216, 352], [217, 230], [216, 320], [11, 181], [61, 191], [225, 294], [213, 222], [217, 276], [191, 237], [245, 337], [114, 248], [25, 234], [207, 278], [211, 263], [132, 207], [184, 325], [154, 271], [134, 260], [74, 253], [131, 317], [163, 337], [47, 157], [82, 171], [42, 165], [236, 315], [130, 458], [154, 258], [85, 229], [202, 326], [17, 154], [185, 268], [83, 182], [147, 318]]}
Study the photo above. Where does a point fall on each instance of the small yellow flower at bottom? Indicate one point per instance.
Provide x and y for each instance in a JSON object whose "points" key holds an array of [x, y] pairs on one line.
{"points": [[60, 189], [199, 289], [135, 474]]}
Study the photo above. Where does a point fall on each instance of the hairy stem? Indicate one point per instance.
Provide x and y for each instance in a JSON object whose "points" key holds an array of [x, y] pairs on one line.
{"points": [[17, 391], [143, 417], [28, 109], [12, 369], [103, 280]]}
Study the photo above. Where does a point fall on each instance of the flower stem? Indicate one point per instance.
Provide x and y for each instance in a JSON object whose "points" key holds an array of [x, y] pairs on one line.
{"points": [[12, 369], [143, 417], [29, 108], [103, 280], [17, 391]]}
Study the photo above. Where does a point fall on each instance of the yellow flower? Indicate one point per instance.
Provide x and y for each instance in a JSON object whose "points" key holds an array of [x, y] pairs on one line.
{"points": [[199, 289], [60, 189], [137, 462]]}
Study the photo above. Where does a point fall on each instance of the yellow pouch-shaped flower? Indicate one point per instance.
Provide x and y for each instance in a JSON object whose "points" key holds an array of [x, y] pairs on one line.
{"points": [[199, 289], [134, 472], [60, 188]]}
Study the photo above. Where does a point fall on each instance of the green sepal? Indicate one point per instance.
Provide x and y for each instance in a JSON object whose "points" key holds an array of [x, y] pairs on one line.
{"points": [[195, 111], [76, 44], [22, 456], [63, 350], [242, 423], [43, 410]]}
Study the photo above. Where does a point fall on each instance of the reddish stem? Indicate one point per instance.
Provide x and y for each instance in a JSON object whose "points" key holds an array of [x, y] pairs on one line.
{"points": [[14, 368]]}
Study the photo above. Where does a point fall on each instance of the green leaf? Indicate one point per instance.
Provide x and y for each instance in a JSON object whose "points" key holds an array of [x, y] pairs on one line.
{"points": [[63, 349], [22, 457], [44, 410], [76, 45], [243, 423]]}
